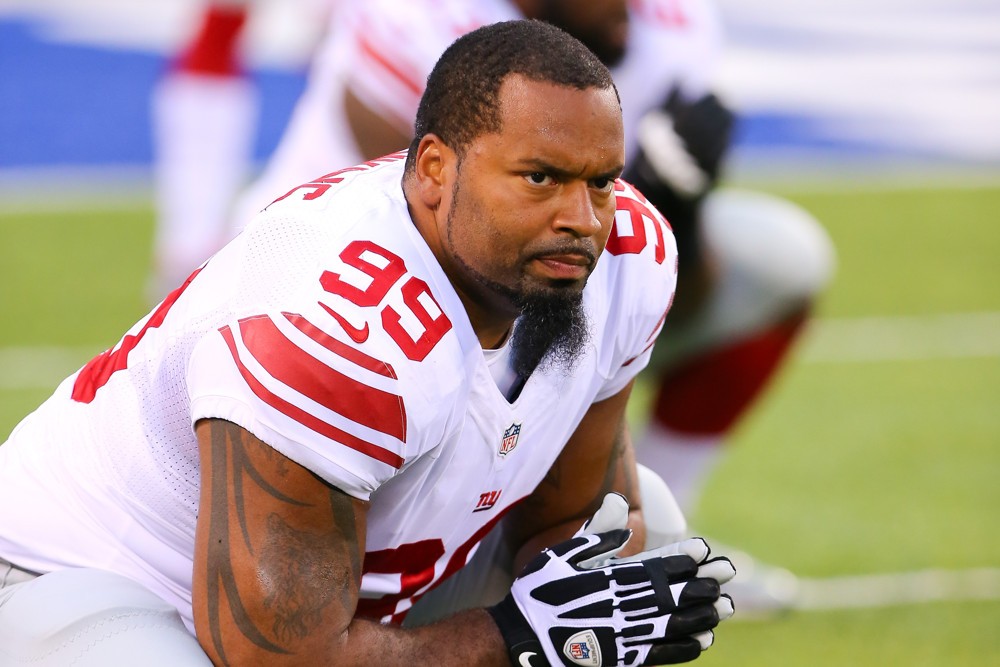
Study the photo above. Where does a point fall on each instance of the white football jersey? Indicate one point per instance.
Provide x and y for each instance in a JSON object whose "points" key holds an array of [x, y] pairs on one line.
{"points": [[328, 330], [383, 50]]}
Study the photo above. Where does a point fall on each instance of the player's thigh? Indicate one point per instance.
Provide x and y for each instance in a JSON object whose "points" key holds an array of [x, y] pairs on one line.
{"points": [[772, 259], [86, 618]]}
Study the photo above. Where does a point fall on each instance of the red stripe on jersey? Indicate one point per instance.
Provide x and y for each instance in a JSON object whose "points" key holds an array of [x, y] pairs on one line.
{"points": [[629, 362], [291, 365], [309, 421], [340, 348], [369, 50]]}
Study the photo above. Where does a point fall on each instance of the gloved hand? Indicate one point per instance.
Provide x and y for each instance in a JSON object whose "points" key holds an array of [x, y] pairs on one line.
{"points": [[681, 147], [577, 604]]}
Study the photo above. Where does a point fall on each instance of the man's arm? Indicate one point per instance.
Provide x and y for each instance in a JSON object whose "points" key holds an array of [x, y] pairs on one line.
{"points": [[374, 135], [598, 459], [278, 563]]}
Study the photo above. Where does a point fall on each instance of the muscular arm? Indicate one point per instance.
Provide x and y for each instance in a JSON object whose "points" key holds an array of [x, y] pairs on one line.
{"points": [[597, 460], [278, 562], [374, 135]]}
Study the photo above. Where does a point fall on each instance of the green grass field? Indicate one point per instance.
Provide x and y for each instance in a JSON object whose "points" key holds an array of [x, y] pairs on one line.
{"points": [[853, 464]]}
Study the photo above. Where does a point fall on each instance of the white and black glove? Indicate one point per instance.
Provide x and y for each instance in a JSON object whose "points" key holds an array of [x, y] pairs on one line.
{"points": [[681, 146], [578, 604]]}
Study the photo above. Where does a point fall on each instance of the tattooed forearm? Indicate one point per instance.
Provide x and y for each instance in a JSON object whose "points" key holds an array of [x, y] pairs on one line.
{"points": [[345, 523], [282, 545], [620, 473], [221, 579], [243, 467], [301, 578]]}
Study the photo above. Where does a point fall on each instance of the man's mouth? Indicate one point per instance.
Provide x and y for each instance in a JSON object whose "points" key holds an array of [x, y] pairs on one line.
{"points": [[561, 266]]}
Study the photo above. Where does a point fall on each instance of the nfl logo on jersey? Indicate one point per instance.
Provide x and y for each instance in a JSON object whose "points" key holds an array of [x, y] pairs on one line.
{"points": [[579, 651], [509, 441]]}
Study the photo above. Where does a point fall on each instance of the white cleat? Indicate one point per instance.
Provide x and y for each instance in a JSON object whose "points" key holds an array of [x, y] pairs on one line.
{"points": [[758, 589]]}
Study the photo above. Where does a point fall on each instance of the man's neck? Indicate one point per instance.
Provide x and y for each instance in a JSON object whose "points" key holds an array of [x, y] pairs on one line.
{"points": [[491, 320]]}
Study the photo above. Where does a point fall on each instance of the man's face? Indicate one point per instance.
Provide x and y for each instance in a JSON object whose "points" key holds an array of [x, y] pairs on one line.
{"points": [[602, 25], [530, 211], [532, 206]]}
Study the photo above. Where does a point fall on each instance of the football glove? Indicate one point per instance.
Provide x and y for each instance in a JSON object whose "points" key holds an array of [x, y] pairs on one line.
{"points": [[578, 604], [681, 146]]}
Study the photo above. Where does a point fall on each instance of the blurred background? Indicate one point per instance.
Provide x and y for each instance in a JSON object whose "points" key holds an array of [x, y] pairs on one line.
{"points": [[834, 87], [869, 470]]}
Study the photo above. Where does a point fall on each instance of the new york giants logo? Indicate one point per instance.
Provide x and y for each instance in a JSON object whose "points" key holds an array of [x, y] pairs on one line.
{"points": [[509, 441], [487, 500]]}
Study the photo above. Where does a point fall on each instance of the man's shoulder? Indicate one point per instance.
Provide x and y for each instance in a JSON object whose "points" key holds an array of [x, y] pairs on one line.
{"points": [[641, 239], [673, 35], [673, 16], [359, 185]]}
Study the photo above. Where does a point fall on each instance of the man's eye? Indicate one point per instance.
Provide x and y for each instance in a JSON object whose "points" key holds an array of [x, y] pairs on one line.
{"points": [[603, 184], [538, 178]]}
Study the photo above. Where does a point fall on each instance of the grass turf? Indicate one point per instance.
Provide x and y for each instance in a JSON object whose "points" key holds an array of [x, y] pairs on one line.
{"points": [[843, 468]]}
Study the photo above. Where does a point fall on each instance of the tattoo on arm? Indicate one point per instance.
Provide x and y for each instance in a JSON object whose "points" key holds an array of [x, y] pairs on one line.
{"points": [[301, 571], [620, 468], [291, 557]]}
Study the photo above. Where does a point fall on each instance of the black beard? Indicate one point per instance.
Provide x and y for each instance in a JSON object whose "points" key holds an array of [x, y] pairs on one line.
{"points": [[551, 332], [552, 326]]}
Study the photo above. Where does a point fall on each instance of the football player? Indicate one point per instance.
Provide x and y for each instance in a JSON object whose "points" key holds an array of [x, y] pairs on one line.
{"points": [[330, 414]]}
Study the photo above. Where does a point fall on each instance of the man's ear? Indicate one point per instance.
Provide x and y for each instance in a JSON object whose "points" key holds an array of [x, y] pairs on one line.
{"points": [[434, 170]]}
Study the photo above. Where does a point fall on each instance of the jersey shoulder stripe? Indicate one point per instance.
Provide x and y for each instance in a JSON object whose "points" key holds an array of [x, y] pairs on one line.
{"points": [[340, 348], [302, 416], [289, 364], [409, 80]]}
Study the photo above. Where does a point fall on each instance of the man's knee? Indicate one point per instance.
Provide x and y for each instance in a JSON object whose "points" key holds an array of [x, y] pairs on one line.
{"points": [[771, 243], [91, 617], [773, 259]]}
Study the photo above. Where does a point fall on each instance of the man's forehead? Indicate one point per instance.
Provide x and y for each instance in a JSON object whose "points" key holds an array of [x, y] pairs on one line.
{"points": [[527, 103], [560, 125], [515, 87]]}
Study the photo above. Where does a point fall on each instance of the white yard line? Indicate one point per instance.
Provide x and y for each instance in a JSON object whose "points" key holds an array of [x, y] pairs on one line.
{"points": [[883, 590], [911, 338]]}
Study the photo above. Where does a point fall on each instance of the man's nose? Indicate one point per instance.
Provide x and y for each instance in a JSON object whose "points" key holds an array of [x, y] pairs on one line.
{"points": [[577, 213]]}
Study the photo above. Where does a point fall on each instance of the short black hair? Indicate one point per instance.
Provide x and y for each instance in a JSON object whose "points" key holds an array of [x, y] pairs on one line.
{"points": [[461, 101]]}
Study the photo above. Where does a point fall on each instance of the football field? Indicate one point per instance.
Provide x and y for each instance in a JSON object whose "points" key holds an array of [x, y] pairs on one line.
{"points": [[870, 469]]}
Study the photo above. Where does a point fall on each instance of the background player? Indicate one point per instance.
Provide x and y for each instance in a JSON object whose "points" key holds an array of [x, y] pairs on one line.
{"points": [[204, 113], [204, 120]]}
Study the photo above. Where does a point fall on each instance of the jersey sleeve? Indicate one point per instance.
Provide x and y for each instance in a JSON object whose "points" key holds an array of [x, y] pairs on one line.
{"points": [[335, 351], [640, 284], [395, 45], [315, 397]]}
